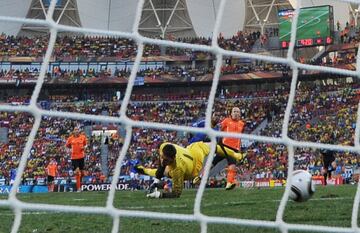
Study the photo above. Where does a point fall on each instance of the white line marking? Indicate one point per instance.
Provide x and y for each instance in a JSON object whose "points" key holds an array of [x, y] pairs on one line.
{"points": [[181, 206]]}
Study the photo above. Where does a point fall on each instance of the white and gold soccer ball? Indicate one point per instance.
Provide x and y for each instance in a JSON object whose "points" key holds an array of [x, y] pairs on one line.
{"points": [[302, 187]]}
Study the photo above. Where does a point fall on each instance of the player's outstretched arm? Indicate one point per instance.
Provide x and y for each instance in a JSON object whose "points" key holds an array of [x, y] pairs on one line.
{"points": [[178, 183], [145, 171], [157, 183]]}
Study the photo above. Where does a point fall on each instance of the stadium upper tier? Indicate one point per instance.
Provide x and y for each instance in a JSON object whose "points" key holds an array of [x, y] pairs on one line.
{"points": [[97, 49], [79, 59], [317, 109]]}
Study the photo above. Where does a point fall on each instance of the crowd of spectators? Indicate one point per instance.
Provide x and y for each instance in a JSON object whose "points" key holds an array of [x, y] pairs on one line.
{"points": [[107, 49], [151, 74], [316, 110], [83, 48]]}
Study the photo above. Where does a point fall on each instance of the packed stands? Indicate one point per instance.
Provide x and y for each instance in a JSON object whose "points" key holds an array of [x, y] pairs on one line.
{"points": [[84, 48], [333, 110], [317, 108]]}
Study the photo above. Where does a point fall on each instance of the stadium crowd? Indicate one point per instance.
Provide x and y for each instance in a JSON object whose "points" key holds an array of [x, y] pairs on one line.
{"points": [[317, 109], [83, 48], [102, 49], [86, 49]]}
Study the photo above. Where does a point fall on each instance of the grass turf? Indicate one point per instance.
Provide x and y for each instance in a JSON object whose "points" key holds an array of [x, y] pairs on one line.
{"points": [[330, 206]]}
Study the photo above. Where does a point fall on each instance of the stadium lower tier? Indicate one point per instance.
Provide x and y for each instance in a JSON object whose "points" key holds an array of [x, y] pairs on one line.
{"points": [[317, 110]]}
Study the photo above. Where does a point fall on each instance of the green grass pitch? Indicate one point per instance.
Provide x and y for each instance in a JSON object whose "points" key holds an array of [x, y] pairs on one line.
{"points": [[312, 23], [330, 206]]}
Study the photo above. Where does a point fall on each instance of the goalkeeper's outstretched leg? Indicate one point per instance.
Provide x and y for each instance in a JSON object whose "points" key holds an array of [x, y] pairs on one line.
{"points": [[232, 157]]}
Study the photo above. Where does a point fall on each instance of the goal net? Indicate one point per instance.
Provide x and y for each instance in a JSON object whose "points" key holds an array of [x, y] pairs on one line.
{"points": [[198, 216]]}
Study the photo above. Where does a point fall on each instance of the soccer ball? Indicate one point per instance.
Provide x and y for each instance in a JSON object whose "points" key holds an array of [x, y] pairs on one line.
{"points": [[302, 187]]}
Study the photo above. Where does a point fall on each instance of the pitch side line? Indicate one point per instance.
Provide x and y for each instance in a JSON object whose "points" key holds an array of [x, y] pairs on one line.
{"points": [[180, 206]]}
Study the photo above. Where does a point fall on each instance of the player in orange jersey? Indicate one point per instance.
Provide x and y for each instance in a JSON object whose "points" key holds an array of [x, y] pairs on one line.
{"points": [[232, 124], [77, 142], [51, 170]]}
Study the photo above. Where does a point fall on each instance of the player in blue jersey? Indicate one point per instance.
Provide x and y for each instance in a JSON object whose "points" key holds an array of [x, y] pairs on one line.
{"points": [[201, 137], [134, 175], [13, 172], [198, 137]]}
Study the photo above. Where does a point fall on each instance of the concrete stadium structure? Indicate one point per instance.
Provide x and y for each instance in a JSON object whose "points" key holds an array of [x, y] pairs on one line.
{"points": [[160, 18]]}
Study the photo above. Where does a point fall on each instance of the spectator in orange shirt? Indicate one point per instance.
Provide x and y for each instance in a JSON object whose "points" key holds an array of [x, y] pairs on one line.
{"points": [[232, 124], [77, 142], [51, 171]]}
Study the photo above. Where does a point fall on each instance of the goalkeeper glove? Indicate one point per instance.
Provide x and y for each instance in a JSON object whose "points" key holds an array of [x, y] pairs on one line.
{"points": [[139, 169], [157, 184], [154, 194]]}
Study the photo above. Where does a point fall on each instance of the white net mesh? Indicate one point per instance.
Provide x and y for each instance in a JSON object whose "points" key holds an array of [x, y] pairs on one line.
{"points": [[197, 216]]}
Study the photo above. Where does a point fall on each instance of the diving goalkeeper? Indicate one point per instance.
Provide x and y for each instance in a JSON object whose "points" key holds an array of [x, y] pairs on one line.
{"points": [[182, 164], [193, 138]]}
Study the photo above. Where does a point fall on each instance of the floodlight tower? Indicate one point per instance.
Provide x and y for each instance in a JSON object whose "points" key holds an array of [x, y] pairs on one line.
{"points": [[354, 10], [166, 18], [66, 13], [261, 14]]}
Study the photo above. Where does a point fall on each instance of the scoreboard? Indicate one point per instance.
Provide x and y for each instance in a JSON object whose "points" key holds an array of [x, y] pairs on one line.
{"points": [[309, 42], [315, 26]]}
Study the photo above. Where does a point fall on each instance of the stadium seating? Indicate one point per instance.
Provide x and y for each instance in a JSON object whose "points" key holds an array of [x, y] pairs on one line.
{"points": [[312, 116]]}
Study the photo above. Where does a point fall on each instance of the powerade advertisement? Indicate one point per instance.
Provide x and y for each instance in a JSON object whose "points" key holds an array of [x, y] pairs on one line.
{"points": [[103, 187], [5, 189]]}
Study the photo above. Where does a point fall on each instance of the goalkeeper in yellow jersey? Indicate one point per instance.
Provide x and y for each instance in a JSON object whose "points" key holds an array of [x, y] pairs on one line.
{"points": [[182, 164]]}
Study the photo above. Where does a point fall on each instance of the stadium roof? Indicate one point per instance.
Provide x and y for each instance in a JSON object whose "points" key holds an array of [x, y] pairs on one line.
{"points": [[14, 8], [119, 15]]}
